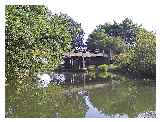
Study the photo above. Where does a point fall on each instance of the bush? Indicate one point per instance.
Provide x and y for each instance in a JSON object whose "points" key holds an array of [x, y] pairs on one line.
{"points": [[104, 75], [103, 67]]}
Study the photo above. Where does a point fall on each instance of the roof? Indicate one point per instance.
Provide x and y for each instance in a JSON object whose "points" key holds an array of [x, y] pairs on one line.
{"points": [[87, 54]]}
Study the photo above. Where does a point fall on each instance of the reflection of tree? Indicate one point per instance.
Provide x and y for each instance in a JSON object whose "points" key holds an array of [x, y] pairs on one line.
{"points": [[28, 100], [124, 98]]}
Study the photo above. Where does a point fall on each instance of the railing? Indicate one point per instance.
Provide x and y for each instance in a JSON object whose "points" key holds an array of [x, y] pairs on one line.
{"points": [[87, 54]]}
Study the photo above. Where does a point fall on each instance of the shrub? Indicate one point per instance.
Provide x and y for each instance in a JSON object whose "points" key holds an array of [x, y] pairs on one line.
{"points": [[104, 75], [103, 67]]}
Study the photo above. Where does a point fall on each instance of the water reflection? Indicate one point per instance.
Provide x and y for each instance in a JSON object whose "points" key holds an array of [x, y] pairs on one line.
{"points": [[89, 94], [124, 98], [93, 112]]}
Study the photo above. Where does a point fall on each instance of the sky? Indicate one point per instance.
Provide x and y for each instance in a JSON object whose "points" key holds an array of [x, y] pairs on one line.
{"points": [[91, 13]]}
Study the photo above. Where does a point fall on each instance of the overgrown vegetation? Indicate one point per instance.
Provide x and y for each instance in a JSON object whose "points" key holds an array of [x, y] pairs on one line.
{"points": [[133, 47], [36, 39], [141, 58]]}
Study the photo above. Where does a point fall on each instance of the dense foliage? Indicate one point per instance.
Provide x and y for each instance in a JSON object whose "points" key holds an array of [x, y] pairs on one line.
{"points": [[141, 59], [125, 31], [75, 29], [100, 40], [36, 39], [133, 47]]}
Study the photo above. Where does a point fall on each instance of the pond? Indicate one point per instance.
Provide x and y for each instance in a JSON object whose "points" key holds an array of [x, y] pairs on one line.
{"points": [[81, 94]]}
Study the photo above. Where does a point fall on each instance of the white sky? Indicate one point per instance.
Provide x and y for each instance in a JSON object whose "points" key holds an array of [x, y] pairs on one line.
{"points": [[91, 13]]}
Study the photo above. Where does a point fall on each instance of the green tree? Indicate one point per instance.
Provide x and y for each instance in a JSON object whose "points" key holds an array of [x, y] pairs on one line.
{"points": [[141, 58], [144, 53], [135, 45], [126, 30], [35, 40], [99, 39], [77, 33]]}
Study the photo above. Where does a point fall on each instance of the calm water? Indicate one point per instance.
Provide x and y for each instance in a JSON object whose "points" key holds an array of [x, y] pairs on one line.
{"points": [[69, 94]]}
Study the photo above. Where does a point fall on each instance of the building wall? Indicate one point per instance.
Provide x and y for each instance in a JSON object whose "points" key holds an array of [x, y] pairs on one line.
{"points": [[77, 62]]}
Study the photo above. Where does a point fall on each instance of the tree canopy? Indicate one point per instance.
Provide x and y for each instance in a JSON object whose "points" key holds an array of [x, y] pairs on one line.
{"points": [[124, 31], [100, 40], [36, 39], [141, 59], [135, 46], [77, 33]]}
